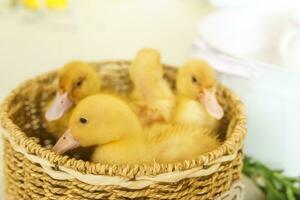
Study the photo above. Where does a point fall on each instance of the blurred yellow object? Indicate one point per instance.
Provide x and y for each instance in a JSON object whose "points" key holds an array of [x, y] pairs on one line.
{"points": [[50, 4], [32, 4], [53, 4]]}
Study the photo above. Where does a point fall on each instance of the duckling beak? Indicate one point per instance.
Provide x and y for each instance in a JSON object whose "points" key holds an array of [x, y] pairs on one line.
{"points": [[209, 100], [65, 143], [60, 106]]}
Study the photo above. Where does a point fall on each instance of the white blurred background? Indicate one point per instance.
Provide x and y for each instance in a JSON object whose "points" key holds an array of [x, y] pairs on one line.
{"points": [[32, 42]]}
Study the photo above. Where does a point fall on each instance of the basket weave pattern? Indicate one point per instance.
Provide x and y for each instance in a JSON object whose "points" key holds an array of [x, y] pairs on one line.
{"points": [[32, 169]]}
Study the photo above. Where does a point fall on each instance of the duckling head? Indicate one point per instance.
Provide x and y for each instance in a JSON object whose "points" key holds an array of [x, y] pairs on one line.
{"points": [[77, 80], [146, 68], [196, 80], [98, 120]]}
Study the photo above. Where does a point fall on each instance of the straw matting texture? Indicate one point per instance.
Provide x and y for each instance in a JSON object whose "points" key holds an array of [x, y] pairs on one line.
{"points": [[33, 171]]}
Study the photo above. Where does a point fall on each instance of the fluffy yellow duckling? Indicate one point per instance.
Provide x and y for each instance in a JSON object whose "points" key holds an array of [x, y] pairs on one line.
{"points": [[196, 96], [152, 95], [77, 80], [110, 124]]}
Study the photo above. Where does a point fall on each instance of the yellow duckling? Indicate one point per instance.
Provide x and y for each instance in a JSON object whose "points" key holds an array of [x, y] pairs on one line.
{"points": [[51, 4], [77, 80], [152, 95], [110, 124], [196, 96]]}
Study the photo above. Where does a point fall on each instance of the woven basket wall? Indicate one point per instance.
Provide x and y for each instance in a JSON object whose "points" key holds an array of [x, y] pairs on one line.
{"points": [[33, 171]]}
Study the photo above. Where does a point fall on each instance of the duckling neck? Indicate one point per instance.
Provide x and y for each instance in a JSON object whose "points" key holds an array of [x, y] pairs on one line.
{"points": [[130, 150], [189, 111], [183, 100], [184, 97]]}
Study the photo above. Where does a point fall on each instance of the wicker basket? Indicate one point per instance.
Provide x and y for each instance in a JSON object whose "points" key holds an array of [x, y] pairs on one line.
{"points": [[33, 171]]}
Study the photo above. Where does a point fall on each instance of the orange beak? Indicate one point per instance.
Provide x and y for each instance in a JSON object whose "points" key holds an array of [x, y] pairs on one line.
{"points": [[60, 106], [209, 100], [66, 143]]}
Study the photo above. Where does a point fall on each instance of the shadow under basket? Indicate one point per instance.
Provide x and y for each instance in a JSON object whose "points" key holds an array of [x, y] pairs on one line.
{"points": [[33, 171]]}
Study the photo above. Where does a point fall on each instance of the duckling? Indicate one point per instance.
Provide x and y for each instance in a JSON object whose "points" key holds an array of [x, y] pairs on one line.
{"points": [[109, 123], [152, 96], [196, 96], [77, 80]]}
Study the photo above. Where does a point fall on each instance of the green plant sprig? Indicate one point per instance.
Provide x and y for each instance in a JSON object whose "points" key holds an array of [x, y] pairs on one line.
{"points": [[273, 183]]}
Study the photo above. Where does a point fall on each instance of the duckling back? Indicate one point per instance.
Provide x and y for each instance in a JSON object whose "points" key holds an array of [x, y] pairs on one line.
{"points": [[178, 142], [152, 95]]}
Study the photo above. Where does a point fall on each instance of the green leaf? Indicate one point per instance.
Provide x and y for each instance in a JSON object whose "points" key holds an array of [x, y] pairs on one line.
{"points": [[273, 183], [290, 194], [272, 193], [296, 190]]}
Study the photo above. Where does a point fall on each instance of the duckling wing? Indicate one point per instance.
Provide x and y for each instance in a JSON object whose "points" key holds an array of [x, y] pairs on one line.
{"points": [[173, 143]]}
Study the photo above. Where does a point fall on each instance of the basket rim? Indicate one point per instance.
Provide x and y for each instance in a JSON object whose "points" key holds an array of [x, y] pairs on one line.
{"points": [[231, 145]]}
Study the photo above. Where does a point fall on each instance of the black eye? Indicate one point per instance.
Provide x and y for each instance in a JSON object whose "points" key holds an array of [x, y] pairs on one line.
{"points": [[194, 79], [79, 83], [83, 120]]}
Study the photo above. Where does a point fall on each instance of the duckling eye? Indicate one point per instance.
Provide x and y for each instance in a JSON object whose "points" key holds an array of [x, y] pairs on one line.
{"points": [[83, 120], [194, 79], [79, 83]]}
